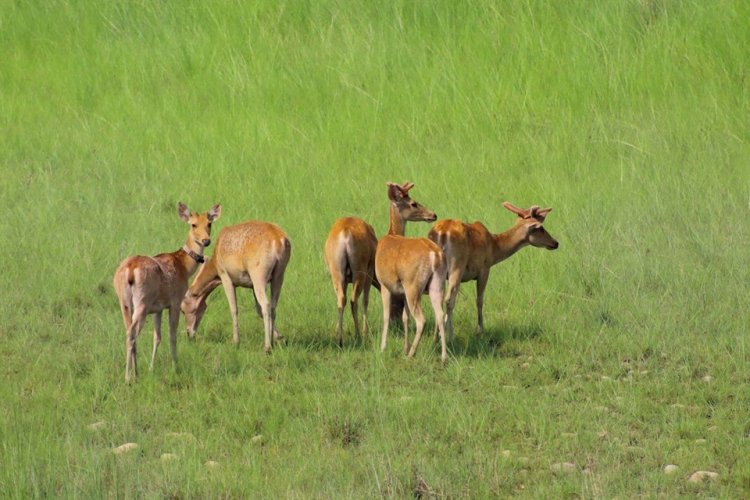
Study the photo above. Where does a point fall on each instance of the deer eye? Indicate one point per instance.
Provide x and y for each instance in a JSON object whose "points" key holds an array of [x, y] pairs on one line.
{"points": [[413, 204], [194, 225]]}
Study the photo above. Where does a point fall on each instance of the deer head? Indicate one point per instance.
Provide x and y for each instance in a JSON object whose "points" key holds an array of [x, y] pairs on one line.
{"points": [[193, 306], [408, 209], [200, 224], [530, 223]]}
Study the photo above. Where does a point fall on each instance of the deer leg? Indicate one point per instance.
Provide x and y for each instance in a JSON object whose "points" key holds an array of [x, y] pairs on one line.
{"points": [[157, 337], [259, 286], [357, 289], [481, 285], [413, 303], [405, 322], [436, 297], [231, 293], [131, 363], [385, 295], [340, 288], [365, 302], [276, 282], [174, 321], [454, 282]]}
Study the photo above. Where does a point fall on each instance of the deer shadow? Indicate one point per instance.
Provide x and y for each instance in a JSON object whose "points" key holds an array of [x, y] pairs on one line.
{"points": [[493, 342]]}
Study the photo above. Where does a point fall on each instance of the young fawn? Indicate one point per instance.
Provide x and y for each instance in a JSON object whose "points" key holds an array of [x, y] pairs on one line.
{"points": [[471, 251], [409, 266], [250, 255], [149, 285]]}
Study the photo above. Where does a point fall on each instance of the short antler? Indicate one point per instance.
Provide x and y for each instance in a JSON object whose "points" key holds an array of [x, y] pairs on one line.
{"points": [[518, 211], [398, 191]]}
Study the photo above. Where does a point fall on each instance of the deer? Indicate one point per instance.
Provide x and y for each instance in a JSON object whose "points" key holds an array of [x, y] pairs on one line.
{"points": [[251, 255], [409, 267], [349, 253], [471, 251], [149, 285]]}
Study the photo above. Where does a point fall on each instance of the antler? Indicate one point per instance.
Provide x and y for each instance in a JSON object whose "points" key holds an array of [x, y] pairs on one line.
{"points": [[518, 211]]}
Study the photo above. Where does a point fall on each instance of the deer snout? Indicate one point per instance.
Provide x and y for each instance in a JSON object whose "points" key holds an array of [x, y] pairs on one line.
{"points": [[206, 242], [554, 245]]}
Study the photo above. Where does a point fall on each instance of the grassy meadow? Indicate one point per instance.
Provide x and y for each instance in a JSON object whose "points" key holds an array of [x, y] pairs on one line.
{"points": [[621, 352]]}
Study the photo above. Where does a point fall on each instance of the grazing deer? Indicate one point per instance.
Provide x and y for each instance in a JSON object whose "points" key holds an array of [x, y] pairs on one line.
{"points": [[148, 285], [250, 255], [408, 267], [350, 257], [471, 251]]}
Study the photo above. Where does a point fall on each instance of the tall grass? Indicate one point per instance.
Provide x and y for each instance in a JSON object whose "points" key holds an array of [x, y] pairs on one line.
{"points": [[618, 352]]}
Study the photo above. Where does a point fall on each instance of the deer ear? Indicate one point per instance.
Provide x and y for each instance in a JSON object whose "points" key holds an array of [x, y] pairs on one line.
{"points": [[541, 214], [214, 213], [406, 186], [394, 192], [183, 211]]}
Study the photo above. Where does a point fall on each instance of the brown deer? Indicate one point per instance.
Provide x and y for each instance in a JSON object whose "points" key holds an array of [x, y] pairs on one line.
{"points": [[471, 251], [148, 285], [250, 255], [350, 256], [408, 267]]}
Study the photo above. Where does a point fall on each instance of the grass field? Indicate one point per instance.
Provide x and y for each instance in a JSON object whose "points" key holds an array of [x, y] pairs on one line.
{"points": [[621, 352]]}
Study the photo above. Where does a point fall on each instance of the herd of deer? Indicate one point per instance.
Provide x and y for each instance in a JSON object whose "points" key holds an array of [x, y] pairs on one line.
{"points": [[255, 255]]}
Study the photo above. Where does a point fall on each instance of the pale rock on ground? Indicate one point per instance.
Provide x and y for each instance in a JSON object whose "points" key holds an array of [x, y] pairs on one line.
{"points": [[702, 475], [167, 457], [670, 469], [211, 464], [125, 448]]}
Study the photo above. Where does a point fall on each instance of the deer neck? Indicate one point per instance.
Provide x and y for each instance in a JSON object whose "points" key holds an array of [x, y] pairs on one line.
{"points": [[398, 224], [206, 280], [190, 255], [507, 243]]}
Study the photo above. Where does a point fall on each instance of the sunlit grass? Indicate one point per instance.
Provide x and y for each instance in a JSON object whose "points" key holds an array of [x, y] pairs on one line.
{"points": [[618, 352]]}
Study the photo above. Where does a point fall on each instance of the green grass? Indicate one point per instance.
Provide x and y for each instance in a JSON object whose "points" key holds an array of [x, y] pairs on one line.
{"points": [[629, 117]]}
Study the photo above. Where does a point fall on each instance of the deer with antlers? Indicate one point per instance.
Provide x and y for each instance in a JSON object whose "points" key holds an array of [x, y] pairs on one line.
{"points": [[149, 285], [250, 255], [471, 251], [408, 267], [350, 257]]}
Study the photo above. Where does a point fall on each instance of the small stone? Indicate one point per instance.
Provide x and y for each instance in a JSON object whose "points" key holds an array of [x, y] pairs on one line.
{"points": [[563, 467], [644, 372], [678, 406], [211, 464], [257, 438], [700, 441], [707, 378], [96, 425], [712, 428], [167, 457], [124, 448], [605, 377], [505, 453], [670, 469], [525, 365], [702, 475]]}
